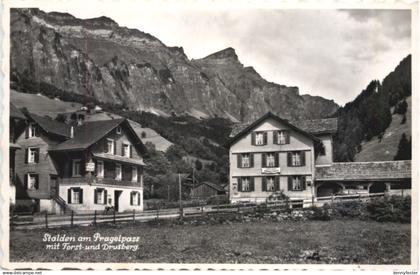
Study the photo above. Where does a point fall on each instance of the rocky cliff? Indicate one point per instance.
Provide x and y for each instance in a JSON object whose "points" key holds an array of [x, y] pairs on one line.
{"points": [[98, 58]]}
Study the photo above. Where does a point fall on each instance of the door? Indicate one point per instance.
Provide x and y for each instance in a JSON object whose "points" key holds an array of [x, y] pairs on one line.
{"points": [[117, 195]]}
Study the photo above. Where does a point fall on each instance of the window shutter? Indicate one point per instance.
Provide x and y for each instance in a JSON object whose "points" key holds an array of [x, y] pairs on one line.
{"points": [[122, 149], [95, 196], [290, 183], [37, 155], [303, 181], [115, 147], [251, 160], [138, 199], [69, 195], [130, 148], [264, 159], [239, 184], [265, 138], [25, 181], [264, 183], [36, 130], [80, 195], [275, 137], [26, 155], [253, 138], [239, 160], [105, 197], [276, 160], [287, 137], [302, 158], [251, 184], [131, 198], [289, 159], [82, 167], [36, 181], [27, 132], [277, 183], [105, 144]]}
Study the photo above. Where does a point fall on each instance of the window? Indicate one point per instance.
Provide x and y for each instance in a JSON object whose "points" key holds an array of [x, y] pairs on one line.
{"points": [[245, 184], [32, 131], [259, 138], [32, 181], [134, 174], [270, 159], [135, 198], [126, 150], [110, 146], [245, 160], [281, 137], [118, 130], [100, 169], [270, 183], [100, 196], [296, 158], [76, 168], [75, 195], [118, 172], [296, 183], [33, 155]]}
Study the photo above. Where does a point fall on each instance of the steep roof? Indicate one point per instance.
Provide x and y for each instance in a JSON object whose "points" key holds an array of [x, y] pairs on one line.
{"points": [[15, 112], [51, 126], [377, 170], [212, 185], [239, 131], [91, 132], [312, 126], [318, 126]]}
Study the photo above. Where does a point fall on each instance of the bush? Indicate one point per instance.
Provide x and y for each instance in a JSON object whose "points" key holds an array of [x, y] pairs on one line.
{"points": [[320, 213], [392, 209], [348, 209]]}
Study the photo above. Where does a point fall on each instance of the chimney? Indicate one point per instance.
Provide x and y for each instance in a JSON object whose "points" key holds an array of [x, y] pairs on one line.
{"points": [[71, 131]]}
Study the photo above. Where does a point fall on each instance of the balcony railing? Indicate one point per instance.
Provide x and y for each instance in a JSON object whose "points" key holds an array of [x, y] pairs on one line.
{"points": [[95, 180]]}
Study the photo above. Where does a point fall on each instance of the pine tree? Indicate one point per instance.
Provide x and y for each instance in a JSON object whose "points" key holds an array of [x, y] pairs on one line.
{"points": [[404, 149]]}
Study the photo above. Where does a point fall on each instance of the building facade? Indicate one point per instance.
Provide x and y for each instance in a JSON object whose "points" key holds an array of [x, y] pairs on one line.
{"points": [[273, 156], [79, 166]]}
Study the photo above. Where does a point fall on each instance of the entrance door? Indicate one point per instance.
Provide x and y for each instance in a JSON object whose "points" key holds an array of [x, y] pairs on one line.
{"points": [[117, 194]]}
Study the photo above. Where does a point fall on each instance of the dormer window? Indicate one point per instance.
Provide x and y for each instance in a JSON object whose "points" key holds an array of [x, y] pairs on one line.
{"points": [[32, 130], [119, 130]]}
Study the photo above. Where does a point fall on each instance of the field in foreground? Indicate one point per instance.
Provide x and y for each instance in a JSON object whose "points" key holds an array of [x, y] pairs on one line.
{"points": [[336, 241]]}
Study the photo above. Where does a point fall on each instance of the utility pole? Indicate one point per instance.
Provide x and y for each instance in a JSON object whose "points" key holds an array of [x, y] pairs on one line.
{"points": [[181, 214]]}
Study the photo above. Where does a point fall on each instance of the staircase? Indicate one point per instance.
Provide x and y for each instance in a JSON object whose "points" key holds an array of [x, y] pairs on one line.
{"points": [[64, 206]]}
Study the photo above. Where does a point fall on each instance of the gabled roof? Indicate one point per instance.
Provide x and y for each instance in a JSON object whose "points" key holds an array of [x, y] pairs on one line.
{"points": [[50, 126], [211, 185], [312, 126], [318, 126], [91, 132], [359, 171], [15, 112], [244, 130]]}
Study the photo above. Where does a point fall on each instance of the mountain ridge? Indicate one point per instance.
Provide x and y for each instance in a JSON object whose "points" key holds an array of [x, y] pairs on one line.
{"points": [[98, 58]]}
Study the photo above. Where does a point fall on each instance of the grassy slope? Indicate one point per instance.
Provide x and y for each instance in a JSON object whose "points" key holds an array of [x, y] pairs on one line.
{"points": [[374, 150], [338, 242]]}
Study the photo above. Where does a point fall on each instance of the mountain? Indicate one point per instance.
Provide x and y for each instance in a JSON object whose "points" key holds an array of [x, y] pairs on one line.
{"points": [[371, 126], [96, 59]]}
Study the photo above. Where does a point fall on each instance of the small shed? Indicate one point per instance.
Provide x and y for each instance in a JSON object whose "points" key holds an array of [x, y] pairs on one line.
{"points": [[206, 189]]}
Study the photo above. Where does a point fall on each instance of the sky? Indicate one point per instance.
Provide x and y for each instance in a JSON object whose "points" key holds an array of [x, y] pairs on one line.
{"points": [[331, 53]]}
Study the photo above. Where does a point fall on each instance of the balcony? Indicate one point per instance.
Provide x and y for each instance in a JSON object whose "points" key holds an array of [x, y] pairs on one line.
{"points": [[100, 181]]}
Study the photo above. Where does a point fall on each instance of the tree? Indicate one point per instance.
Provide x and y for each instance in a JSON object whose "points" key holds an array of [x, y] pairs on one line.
{"points": [[404, 149], [175, 153], [198, 165]]}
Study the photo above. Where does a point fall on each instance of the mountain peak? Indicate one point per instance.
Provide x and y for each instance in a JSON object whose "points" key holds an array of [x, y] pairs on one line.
{"points": [[223, 54]]}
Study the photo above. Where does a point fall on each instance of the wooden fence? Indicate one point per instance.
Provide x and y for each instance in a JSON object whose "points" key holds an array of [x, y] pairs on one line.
{"points": [[71, 218]]}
